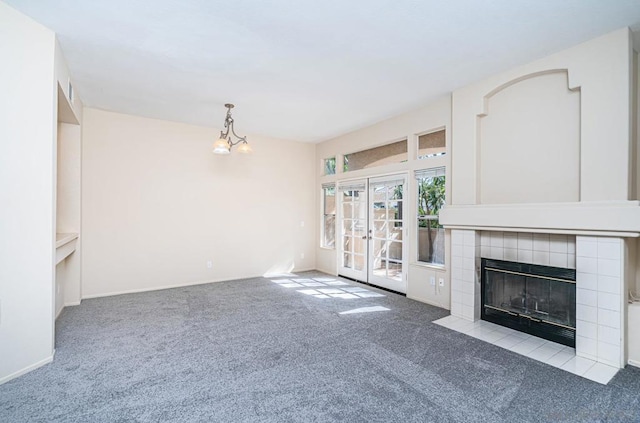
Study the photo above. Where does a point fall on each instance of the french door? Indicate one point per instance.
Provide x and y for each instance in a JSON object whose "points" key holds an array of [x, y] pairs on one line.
{"points": [[372, 231]]}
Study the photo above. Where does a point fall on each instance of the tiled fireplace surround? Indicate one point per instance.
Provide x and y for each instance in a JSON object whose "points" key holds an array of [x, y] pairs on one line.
{"points": [[599, 272]]}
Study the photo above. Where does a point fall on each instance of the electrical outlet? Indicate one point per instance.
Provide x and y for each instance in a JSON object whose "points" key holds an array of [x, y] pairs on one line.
{"points": [[432, 280], [209, 264], [441, 281]]}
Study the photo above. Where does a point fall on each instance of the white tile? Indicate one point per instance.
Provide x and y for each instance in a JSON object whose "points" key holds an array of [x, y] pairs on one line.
{"points": [[581, 238], [609, 301], [557, 243], [609, 267], [545, 352], [468, 313], [587, 280], [510, 240], [496, 239], [587, 329], [586, 346], [456, 273], [578, 365], [571, 244], [497, 253], [609, 250], [541, 242], [601, 373], [464, 326], [468, 299], [457, 262], [608, 353], [586, 313], [571, 261], [540, 257], [485, 251], [558, 259], [587, 265], [587, 297], [525, 256], [609, 318], [456, 309], [468, 264], [511, 254], [560, 358], [485, 238], [457, 237], [587, 249], [609, 284], [527, 346], [609, 335], [468, 276], [469, 238], [468, 251], [508, 341], [457, 250], [525, 241], [492, 337], [611, 240], [468, 288]]}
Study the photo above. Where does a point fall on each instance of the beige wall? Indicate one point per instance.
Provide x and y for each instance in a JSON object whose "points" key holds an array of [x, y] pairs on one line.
{"points": [[27, 193], [157, 205], [435, 116]]}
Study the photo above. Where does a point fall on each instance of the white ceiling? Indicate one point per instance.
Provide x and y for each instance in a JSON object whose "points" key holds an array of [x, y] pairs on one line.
{"points": [[305, 70]]}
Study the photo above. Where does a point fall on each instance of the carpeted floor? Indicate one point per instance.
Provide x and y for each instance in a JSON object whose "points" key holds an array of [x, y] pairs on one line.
{"points": [[258, 351]]}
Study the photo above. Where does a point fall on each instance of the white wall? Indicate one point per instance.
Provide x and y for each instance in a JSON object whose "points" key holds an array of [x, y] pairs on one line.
{"points": [[600, 68], [407, 126], [157, 205], [27, 193], [68, 212]]}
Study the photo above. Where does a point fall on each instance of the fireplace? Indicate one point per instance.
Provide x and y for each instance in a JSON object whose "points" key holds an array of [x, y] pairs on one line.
{"points": [[539, 300]]}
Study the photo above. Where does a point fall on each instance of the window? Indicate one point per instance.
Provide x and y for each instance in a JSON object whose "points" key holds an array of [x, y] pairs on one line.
{"points": [[432, 145], [431, 198], [328, 215], [391, 153], [330, 166]]}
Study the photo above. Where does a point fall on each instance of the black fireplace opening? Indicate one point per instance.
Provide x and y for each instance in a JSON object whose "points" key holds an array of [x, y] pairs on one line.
{"points": [[539, 300]]}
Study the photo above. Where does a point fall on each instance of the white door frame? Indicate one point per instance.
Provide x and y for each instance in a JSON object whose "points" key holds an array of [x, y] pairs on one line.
{"points": [[365, 273]]}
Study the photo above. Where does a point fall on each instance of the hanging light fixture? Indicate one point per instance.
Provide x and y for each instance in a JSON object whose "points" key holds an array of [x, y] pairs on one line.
{"points": [[224, 144]]}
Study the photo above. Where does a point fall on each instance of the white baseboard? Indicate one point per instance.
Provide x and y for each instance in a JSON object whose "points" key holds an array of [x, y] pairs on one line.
{"points": [[71, 304], [60, 311], [27, 369], [633, 363], [179, 285], [160, 288]]}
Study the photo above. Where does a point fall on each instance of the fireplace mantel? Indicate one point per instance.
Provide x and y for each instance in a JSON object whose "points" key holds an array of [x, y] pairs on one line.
{"points": [[620, 219]]}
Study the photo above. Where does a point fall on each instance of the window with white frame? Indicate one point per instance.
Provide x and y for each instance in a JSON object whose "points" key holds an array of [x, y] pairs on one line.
{"points": [[431, 198], [330, 166], [328, 215]]}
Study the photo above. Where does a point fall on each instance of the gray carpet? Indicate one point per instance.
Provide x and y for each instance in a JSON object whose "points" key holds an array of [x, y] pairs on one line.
{"points": [[258, 351]]}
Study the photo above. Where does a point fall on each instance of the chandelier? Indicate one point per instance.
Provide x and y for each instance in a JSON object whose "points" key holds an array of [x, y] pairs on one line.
{"points": [[224, 144]]}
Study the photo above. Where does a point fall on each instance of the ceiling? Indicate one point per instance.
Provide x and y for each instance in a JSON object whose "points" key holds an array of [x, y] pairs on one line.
{"points": [[305, 70]]}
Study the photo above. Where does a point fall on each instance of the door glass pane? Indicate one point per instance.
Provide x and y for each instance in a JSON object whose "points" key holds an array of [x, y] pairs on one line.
{"points": [[359, 262], [359, 246], [395, 232], [379, 194], [395, 250], [346, 244], [395, 270], [379, 229], [347, 260], [347, 210], [347, 226]]}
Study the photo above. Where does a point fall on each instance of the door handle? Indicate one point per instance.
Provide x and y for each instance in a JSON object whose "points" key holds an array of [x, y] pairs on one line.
{"points": [[364, 237]]}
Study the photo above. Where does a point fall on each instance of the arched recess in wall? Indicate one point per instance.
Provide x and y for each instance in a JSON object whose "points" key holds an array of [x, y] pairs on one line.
{"points": [[528, 141]]}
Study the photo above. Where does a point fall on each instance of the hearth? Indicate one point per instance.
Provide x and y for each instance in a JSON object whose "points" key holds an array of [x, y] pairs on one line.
{"points": [[539, 300]]}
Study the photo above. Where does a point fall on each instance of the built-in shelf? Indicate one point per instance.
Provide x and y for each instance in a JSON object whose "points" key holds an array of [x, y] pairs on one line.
{"points": [[65, 245]]}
